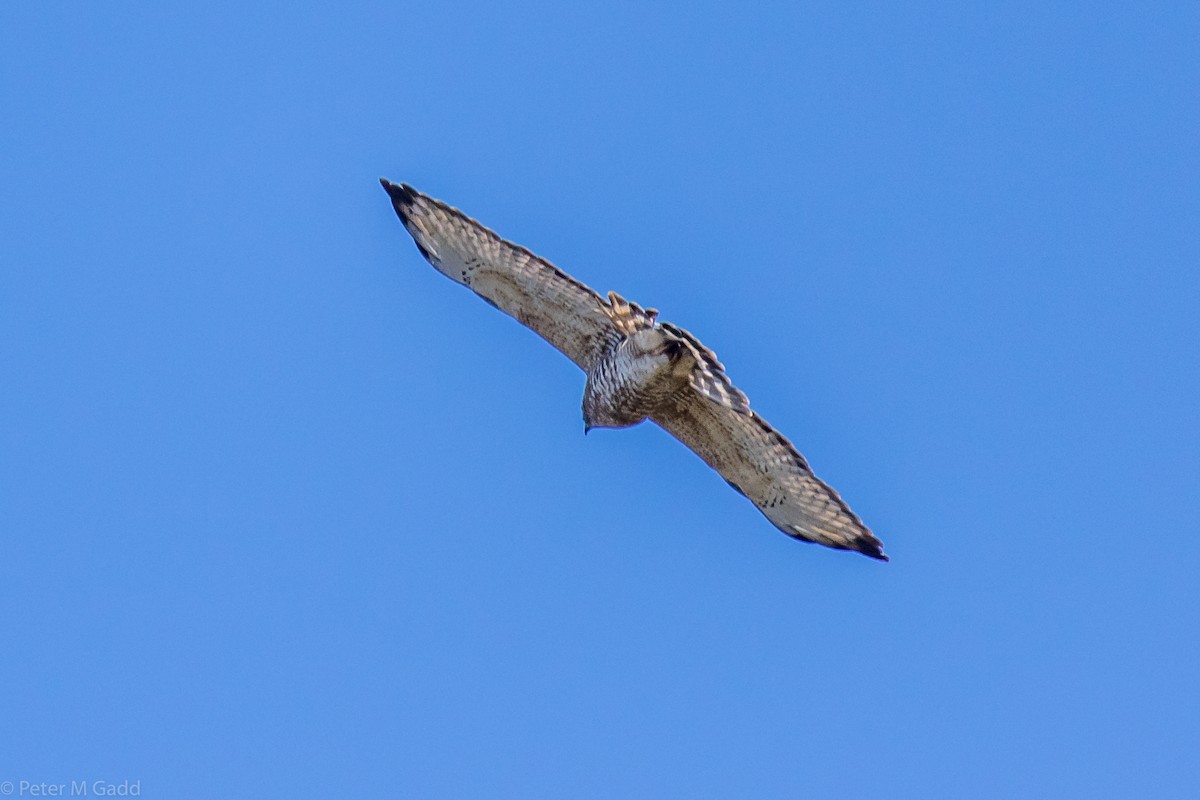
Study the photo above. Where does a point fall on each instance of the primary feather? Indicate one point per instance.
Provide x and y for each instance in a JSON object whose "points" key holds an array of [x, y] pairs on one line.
{"points": [[638, 368]]}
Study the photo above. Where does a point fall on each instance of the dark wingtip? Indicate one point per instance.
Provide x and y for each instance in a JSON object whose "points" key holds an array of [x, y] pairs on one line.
{"points": [[873, 549], [402, 194]]}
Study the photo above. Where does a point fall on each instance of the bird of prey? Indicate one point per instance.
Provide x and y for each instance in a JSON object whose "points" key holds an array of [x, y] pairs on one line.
{"points": [[638, 368]]}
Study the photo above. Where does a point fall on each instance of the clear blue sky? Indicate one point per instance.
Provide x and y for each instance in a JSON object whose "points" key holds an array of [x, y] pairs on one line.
{"points": [[285, 513]]}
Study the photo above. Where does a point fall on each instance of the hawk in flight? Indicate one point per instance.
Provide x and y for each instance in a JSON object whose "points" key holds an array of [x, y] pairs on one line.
{"points": [[637, 368]]}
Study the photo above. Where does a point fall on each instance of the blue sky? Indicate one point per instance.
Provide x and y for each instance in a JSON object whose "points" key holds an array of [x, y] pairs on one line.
{"points": [[284, 512]]}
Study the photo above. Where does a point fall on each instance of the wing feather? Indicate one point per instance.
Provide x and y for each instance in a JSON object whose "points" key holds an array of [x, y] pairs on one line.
{"points": [[763, 465], [708, 377], [562, 310]]}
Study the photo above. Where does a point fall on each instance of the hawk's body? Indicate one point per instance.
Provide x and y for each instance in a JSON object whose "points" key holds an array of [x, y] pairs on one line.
{"points": [[638, 368], [641, 375]]}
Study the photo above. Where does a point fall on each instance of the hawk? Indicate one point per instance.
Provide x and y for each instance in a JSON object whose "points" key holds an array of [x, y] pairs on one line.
{"points": [[638, 368]]}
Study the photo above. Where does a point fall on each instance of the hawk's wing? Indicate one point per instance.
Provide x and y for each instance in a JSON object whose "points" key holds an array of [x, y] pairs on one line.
{"points": [[759, 462], [563, 311]]}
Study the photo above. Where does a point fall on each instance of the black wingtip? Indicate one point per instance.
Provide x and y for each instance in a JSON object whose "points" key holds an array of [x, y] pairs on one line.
{"points": [[402, 194], [873, 550]]}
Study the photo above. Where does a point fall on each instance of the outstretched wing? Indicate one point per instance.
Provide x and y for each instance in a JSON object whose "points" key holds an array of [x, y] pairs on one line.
{"points": [[563, 311], [759, 462]]}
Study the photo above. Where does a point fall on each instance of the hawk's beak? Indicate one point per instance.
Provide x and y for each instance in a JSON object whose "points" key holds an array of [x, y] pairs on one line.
{"points": [[586, 428]]}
